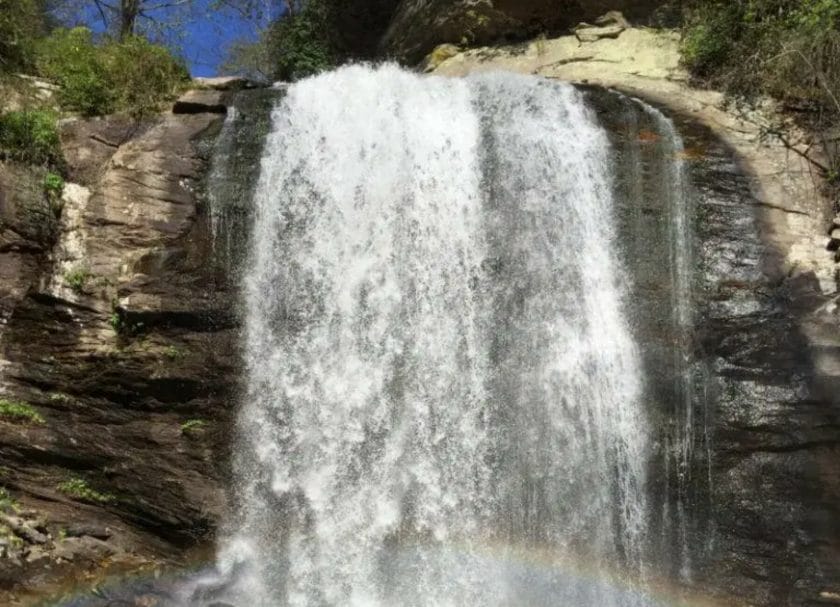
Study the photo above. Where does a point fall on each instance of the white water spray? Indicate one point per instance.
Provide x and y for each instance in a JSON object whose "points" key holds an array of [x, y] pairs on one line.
{"points": [[443, 400]]}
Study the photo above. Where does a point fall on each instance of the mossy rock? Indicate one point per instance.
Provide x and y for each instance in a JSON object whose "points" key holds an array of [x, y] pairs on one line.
{"points": [[441, 53]]}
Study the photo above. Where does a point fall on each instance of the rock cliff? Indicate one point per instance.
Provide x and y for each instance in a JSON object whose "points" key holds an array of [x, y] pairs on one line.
{"points": [[420, 25], [118, 339]]}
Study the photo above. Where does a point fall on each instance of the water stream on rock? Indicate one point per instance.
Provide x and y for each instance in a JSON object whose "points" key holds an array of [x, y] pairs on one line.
{"points": [[444, 401], [680, 442]]}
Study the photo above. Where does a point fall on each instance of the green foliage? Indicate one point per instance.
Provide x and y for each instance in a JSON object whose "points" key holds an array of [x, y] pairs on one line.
{"points": [[31, 137], [193, 427], [7, 502], [21, 23], [77, 279], [53, 186], [70, 58], [142, 74], [708, 42], [79, 489], [786, 49], [316, 36], [117, 323], [18, 412], [303, 44], [132, 75], [173, 353]]}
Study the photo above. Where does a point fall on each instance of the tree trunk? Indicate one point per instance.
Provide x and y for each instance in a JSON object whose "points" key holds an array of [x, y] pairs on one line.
{"points": [[129, 10]]}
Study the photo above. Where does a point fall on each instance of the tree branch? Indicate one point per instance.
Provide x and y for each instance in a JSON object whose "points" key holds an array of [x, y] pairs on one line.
{"points": [[100, 7]]}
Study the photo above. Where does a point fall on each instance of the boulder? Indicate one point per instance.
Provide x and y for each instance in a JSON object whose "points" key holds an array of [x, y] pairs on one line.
{"points": [[201, 101], [89, 144], [419, 26], [23, 529], [438, 56], [226, 83], [589, 33]]}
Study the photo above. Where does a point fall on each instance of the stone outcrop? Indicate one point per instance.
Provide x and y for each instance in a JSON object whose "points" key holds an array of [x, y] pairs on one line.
{"points": [[418, 26], [118, 336], [200, 102], [764, 477]]}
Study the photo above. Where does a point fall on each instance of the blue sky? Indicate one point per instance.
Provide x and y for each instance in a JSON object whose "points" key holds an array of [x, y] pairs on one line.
{"points": [[203, 39], [207, 38]]}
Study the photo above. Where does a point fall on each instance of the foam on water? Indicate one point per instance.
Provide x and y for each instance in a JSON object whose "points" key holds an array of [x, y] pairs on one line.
{"points": [[437, 359]]}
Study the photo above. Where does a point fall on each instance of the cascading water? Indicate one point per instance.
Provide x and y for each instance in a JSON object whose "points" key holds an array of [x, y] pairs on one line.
{"points": [[680, 443], [444, 402]]}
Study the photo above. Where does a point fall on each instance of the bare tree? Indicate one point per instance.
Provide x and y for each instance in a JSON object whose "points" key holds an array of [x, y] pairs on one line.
{"points": [[127, 17]]}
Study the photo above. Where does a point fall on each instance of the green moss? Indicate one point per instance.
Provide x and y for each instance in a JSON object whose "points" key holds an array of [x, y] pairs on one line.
{"points": [[79, 489], [7, 502], [19, 412], [193, 427], [173, 353], [31, 136], [77, 279]]}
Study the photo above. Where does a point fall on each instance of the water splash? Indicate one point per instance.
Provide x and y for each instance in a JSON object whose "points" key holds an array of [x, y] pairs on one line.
{"points": [[437, 358]]}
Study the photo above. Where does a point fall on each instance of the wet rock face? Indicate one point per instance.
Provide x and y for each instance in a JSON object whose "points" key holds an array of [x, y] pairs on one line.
{"points": [[748, 492], [772, 409], [28, 229], [122, 337], [419, 26]]}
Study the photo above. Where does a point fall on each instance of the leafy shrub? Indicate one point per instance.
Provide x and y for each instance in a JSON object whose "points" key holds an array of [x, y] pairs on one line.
{"points": [[21, 23], [53, 186], [132, 75], [77, 279], [303, 44], [781, 47], [787, 49], [142, 74], [79, 489], [70, 58], [709, 41], [31, 136], [318, 35], [19, 412]]}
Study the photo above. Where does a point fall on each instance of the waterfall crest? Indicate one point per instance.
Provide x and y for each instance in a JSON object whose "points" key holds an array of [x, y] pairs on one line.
{"points": [[443, 396]]}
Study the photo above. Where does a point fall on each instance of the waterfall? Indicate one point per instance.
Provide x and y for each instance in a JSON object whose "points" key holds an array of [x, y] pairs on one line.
{"points": [[688, 428], [444, 400], [680, 448], [233, 171]]}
